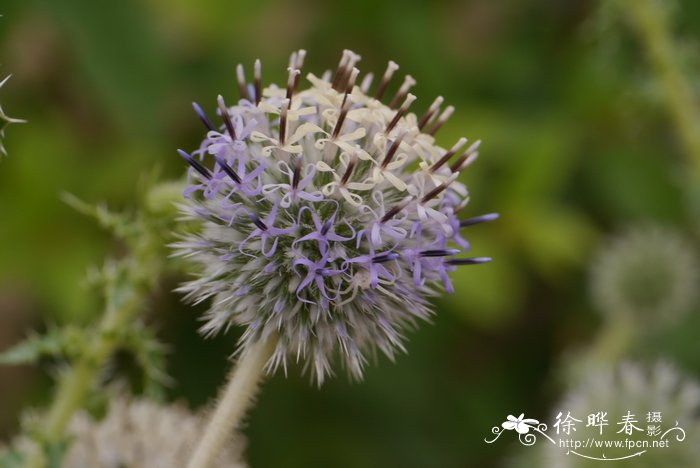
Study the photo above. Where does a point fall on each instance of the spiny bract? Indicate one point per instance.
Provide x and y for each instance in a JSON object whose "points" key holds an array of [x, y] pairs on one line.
{"points": [[328, 216], [5, 120]]}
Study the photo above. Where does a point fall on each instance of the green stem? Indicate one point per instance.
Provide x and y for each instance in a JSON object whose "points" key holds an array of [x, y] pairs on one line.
{"points": [[614, 341], [235, 399], [125, 298], [613, 344], [652, 26], [73, 388]]}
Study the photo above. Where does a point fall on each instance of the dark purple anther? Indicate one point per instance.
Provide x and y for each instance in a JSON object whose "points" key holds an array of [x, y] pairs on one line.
{"points": [[227, 118], [395, 210], [399, 113], [439, 252], [469, 261], [297, 173], [195, 164], [348, 171], [202, 116], [478, 219], [344, 108], [326, 227], [257, 79], [387, 257], [258, 222], [434, 192], [392, 150], [227, 169]]}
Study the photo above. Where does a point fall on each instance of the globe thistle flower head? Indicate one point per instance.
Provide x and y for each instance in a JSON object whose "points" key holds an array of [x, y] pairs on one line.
{"points": [[648, 273], [639, 389], [139, 433], [328, 216]]}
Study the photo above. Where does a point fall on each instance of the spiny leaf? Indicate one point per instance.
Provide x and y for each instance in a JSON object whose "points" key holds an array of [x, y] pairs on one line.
{"points": [[64, 342], [118, 224], [149, 354]]}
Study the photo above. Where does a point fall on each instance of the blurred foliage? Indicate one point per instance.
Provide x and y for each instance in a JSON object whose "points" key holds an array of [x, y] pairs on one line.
{"points": [[576, 143]]}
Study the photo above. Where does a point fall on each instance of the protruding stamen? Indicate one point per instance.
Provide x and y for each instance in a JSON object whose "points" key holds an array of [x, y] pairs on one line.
{"points": [[441, 162], [299, 64], [293, 74], [227, 169], [326, 227], [434, 107], [202, 116], [344, 60], [479, 219], [390, 69], [225, 115], [296, 175], [301, 55], [392, 150], [408, 83], [468, 261], [242, 86], [366, 82], [293, 60], [351, 81], [283, 121], [196, 165], [437, 190], [396, 209], [441, 120], [468, 157], [258, 81], [347, 72], [399, 113], [387, 257], [349, 170], [257, 221], [439, 252]]}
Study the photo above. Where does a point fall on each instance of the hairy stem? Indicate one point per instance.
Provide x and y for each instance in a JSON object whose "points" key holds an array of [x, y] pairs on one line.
{"points": [[652, 25], [237, 396]]}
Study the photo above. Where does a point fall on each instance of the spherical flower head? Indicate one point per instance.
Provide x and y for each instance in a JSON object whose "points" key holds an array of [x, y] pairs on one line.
{"points": [[134, 433], [327, 217], [640, 390], [649, 274]]}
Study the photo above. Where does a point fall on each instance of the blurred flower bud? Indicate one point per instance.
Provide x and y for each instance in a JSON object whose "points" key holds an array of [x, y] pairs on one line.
{"points": [[648, 274]]}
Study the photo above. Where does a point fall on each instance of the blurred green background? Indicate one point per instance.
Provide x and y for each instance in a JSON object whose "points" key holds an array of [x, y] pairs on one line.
{"points": [[576, 144]]}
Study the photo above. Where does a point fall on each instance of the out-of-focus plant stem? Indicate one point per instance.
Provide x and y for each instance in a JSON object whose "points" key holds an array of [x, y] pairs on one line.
{"points": [[652, 23], [125, 294], [236, 398]]}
